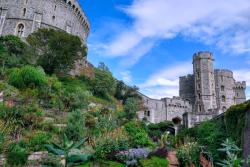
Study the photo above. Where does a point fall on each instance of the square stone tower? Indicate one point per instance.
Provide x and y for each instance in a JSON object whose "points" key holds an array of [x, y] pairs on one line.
{"points": [[205, 97]]}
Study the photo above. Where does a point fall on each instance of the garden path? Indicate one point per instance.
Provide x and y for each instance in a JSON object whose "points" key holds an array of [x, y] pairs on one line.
{"points": [[173, 161]]}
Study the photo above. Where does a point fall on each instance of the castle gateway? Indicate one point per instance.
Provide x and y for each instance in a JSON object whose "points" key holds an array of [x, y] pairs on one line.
{"points": [[22, 17], [203, 95]]}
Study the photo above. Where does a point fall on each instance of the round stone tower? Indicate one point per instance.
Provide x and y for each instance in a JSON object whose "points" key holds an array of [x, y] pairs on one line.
{"points": [[22, 17], [205, 98]]}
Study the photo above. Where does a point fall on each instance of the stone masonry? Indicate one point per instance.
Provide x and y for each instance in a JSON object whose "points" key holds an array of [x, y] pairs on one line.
{"points": [[203, 95], [22, 17]]}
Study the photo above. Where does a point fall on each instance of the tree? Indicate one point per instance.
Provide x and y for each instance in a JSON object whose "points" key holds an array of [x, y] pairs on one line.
{"points": [[12, 51], [131, 107], [104, 83], [57, 51]]}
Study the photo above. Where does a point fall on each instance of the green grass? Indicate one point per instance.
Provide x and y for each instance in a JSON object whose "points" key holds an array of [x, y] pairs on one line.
{"points": [[154, 162], [106, 163]]}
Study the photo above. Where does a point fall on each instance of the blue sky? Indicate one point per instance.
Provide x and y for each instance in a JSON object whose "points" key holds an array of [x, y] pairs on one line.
{"points": [[150, 43]]}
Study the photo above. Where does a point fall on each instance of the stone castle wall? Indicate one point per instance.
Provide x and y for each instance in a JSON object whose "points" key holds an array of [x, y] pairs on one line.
{"points": [[225, 94], [22, 17], [187, 88]]}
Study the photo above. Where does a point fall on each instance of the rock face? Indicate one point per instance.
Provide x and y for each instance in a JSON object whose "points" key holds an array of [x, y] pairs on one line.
{"points": [[22, 17], [246, 146]]}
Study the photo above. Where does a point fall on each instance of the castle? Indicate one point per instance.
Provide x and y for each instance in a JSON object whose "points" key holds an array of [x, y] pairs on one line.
{"points": [[22, 17], [203, 95]]}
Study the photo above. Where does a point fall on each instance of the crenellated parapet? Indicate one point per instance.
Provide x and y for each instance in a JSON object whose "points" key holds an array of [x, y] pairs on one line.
{"points": [[240, 85]]}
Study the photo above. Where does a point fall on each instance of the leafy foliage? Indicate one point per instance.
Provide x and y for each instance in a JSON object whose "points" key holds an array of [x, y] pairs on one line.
{"points": [[56, 50], [153, 162], [138, 136], [27, 76], [130, 108], [188, 154], [75, 126], [103, 84], [231, 151], [65, 149], [111, 142], [16, 156]]}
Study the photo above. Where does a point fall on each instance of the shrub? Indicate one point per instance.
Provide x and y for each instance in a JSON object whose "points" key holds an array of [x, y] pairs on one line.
{"points": [[188, 154], [104, 84], [110, 143], [138, 136], [16, 155], [37, 141], [75, 127], [154, 162], [27, 76], [132, 156], [156, 130]]}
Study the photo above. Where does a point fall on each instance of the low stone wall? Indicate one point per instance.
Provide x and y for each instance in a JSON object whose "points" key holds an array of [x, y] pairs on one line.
{"points": [[246, 145]]}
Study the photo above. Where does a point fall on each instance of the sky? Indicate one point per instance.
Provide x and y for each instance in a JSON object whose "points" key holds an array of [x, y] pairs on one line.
{"points": [[150, 43]]}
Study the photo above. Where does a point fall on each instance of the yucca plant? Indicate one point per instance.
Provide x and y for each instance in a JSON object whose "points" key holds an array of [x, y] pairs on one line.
{"points": [[231, 150], [65, 149]]}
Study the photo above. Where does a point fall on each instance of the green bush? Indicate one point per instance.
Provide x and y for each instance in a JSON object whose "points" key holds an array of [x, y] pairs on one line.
{"points": [[104, 84], [111, 142], [75, 129], [27, 76], [137, 135], [16, 155], [189, 154], [154, 162], [156, 130], [37, 141]]}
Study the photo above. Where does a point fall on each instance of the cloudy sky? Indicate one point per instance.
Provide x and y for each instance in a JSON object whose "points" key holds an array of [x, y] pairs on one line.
{"points": [[150, 43]]}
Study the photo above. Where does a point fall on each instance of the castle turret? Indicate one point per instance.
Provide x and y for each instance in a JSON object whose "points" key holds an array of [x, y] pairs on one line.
{"points": [[205, 98], [225, 95], [240, 92]]}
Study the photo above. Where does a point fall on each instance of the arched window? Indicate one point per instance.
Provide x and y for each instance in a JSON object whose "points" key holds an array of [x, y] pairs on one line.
{"points": [[55, 8], [73, 7], [24, 12], [53, 18], [148, 114], [223, 98], [224, 109], [65, 1], [222, 88], [20, 30], [69, 3], [199, 95]]}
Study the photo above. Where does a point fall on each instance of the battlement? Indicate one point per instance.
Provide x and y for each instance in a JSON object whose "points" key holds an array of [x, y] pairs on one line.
{"points": [[240, 85], [224, 72], [187, 77], [203, 55]]}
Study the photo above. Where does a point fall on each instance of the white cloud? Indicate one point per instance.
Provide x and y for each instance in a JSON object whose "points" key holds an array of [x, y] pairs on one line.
{"points": [[242, 75], [126, 76], [165, 83], [168, 76], [224, 23]]}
